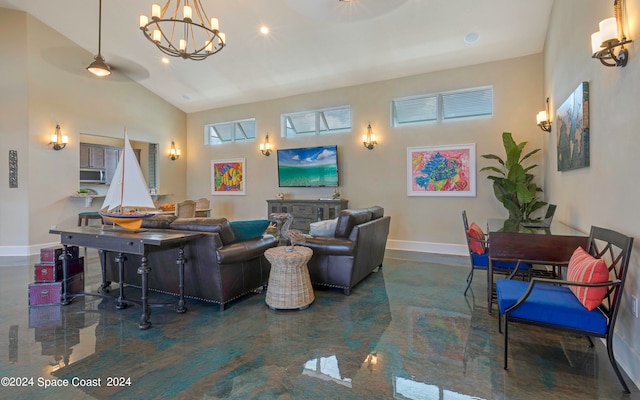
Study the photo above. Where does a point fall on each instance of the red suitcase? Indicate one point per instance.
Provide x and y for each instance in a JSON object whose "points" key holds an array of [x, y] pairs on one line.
{"points": [[51, 254], [41, 294], [50, 272]]}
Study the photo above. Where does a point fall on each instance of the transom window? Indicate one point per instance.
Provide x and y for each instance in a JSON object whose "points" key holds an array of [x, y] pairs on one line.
{"points": [[467, 103], [317, 122], [227, 132]]}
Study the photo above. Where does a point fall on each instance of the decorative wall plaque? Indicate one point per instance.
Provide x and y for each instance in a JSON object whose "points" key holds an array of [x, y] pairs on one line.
{"points": [[13, 168]]}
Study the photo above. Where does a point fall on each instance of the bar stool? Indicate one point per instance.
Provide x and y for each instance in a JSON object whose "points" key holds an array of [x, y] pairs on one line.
{"points": [[86, 216]]}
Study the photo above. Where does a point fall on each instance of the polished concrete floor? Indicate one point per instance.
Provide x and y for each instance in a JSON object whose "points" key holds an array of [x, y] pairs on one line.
{"points": [[406, 332]]}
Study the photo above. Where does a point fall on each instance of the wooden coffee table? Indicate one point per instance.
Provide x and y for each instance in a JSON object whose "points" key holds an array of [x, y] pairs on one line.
{"points": [[289, 282]]}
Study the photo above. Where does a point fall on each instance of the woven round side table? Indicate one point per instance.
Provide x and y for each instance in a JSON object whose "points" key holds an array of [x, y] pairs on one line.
{"points": [[289, 283]]}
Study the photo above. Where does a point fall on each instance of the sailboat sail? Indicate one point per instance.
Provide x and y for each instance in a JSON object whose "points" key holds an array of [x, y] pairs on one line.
{"points": [[128, 187], [128, 192]]}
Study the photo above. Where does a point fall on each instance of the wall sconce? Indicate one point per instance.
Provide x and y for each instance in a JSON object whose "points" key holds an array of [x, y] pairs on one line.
{"points": [[369, 139], [57, 140], [174, 153], [543, 119], [608, 38], [265, 148]]}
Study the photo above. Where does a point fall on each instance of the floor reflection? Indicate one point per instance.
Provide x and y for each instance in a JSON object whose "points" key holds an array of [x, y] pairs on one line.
{"points": [[406, 332], [326, 368], [408, 389]]}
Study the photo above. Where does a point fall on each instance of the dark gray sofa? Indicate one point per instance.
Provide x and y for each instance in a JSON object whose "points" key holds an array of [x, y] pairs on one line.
{"points": [[355, 250], [218, 267]]}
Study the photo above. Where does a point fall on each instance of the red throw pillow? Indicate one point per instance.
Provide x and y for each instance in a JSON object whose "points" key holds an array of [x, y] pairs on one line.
{"points": [[475, 232], [583, 267]]}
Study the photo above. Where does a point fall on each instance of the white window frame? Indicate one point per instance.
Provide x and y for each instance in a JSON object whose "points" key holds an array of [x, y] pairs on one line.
{"points": [[440, 111], [236, 125], [320, 122]]}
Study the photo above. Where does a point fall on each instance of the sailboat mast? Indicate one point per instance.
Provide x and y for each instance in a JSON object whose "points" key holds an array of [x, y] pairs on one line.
{"points": [[126, 139]]}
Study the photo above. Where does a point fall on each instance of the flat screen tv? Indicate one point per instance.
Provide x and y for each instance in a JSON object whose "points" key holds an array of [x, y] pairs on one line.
{"points": [[308, 167]]}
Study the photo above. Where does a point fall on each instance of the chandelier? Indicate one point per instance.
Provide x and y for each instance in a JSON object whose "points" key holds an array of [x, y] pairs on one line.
{"points": [[188, 32]]}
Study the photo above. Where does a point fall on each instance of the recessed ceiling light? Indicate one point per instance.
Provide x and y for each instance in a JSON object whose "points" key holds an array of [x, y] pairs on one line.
{"points": [[165, 60], [264, 30], [471, 37]]}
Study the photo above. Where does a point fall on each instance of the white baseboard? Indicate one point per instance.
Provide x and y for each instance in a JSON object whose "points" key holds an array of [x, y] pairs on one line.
{"points": [[427, 247], [24, 251]]}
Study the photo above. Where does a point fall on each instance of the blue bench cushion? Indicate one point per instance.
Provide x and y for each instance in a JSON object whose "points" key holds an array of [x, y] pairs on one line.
{"points": [[482, 261], [550, 304]]}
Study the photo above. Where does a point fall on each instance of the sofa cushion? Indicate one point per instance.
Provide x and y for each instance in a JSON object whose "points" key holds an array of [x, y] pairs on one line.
{"points": [[216, 225], [326, 228], [376, 212], [348, 219], [159, 221], [249, 229], [475, 232], [585, 268], [239, 252], [555, 305]]}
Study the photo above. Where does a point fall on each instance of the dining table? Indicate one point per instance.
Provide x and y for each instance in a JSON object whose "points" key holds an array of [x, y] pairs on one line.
{"points": [[510, 241]]}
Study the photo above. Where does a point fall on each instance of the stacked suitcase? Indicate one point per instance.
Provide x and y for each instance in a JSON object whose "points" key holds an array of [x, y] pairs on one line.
{"points": [[47, 287]]}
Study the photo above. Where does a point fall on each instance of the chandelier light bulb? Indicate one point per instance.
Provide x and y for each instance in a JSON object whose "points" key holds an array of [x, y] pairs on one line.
{"points": [[186, 12], [156, 11]]}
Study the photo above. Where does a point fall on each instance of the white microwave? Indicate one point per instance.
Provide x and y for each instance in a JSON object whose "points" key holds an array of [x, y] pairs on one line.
{"points": [[92, 176]]}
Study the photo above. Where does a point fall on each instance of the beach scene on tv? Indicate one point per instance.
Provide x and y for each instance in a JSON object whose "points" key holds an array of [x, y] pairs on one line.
{"points": [[308, 167]]}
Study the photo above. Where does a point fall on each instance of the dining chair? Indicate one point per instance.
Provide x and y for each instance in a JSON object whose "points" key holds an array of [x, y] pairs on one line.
{"points": [[478, 246], [202, 207], [585, 303], [186, 209]]}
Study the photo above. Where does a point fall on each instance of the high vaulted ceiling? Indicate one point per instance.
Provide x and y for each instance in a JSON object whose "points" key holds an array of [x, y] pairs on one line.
{"points": [[312, 45]]}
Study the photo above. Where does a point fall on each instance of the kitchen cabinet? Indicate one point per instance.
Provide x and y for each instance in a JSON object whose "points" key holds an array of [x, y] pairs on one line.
{"points": [[92, 156]]}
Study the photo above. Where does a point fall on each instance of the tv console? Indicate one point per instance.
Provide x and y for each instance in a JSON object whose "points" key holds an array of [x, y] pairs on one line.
{"points": [[305, 212]]}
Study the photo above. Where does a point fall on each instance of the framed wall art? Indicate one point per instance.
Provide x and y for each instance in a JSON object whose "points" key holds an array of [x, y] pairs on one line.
{"points": [[572, 121], [441, 170], [228, 177]]}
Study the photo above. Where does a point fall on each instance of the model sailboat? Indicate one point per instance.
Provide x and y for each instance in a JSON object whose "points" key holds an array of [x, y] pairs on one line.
{"points": [[127, 199]]}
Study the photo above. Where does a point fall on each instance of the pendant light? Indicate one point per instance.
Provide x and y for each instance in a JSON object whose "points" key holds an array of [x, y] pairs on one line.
{"points": [[99, 67]]}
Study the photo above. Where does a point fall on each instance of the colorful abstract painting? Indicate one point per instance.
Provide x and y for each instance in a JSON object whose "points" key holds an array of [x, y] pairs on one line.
{"points": [[441, 170], [228, 176], [572, 127]]}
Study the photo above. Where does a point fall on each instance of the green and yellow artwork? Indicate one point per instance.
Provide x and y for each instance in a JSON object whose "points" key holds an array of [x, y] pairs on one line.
{"points": [[228, 176]]}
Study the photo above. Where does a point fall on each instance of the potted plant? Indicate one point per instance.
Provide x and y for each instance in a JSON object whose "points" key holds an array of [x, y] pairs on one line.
{"points": [[513, 185]]}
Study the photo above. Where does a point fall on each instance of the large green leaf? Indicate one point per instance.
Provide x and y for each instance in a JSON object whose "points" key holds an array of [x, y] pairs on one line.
{"points": [[514, 186], [494, 169]]}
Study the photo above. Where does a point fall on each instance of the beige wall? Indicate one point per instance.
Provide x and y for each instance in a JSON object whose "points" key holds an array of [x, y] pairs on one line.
{"points": [[378, 176], [47, 84], [13, 127], [605, 193]]}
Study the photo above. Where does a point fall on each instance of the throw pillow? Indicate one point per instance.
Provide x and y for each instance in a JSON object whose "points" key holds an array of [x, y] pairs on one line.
{"points": [[583, 267], [326, 228], [475, 232], [249, 229]]}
